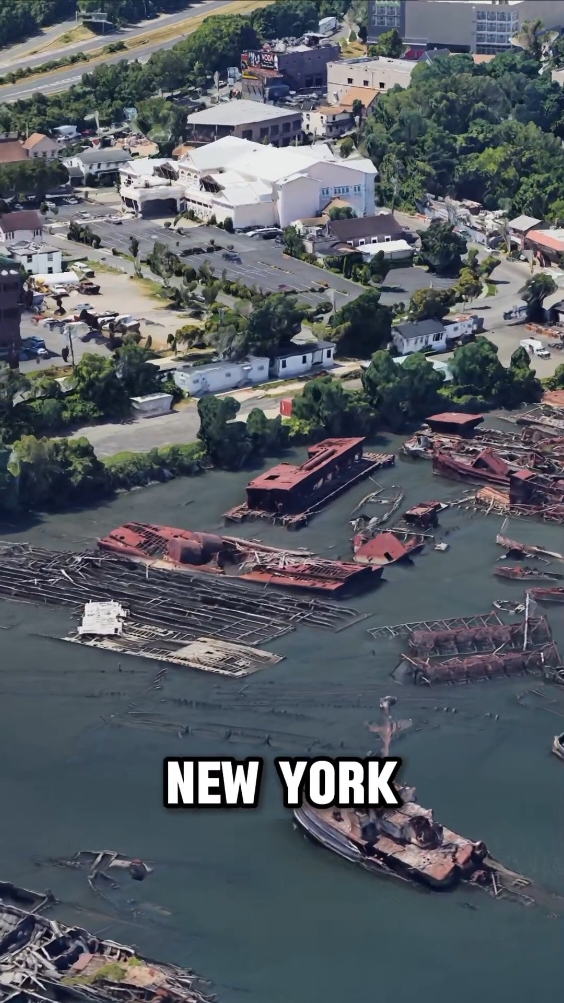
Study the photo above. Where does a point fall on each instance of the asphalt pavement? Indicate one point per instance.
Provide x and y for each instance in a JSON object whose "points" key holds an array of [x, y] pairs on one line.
{"points": [[21, 54], [61, 80]]}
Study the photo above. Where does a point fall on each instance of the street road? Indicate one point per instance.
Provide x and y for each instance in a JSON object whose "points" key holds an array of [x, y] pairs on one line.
{"points": [[21, 55], [60, 80]]}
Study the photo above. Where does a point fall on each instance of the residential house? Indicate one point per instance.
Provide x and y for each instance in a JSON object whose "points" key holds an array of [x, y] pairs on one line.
{"points": [[103, 163], [219, 376], [520, 226], [20, 226], [435, 335], [420, 335], [296, 360], [383, 227], [37, 258], [39, 146], [377, 73], [327, 121], [548, 245], [11, 150], [246, 120], [366, 95]]}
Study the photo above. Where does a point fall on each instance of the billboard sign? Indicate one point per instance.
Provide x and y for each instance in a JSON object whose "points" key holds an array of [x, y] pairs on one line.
{"points": [[264, 59]]}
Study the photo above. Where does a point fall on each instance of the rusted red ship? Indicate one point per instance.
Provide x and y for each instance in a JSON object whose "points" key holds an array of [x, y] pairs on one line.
{"points": [[167, 546], [290, 494], [386, 548]]}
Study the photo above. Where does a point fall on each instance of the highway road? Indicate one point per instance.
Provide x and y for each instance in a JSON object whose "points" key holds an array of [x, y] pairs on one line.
{"points": [[21, 55], [57, 81]]}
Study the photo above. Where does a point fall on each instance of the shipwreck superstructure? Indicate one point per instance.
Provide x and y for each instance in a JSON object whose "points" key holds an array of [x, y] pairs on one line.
{"points": [[45, 961]]}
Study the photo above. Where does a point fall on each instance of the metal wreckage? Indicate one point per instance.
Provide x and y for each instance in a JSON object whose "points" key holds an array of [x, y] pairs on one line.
{"points": [[45, 961], [519, 473]]}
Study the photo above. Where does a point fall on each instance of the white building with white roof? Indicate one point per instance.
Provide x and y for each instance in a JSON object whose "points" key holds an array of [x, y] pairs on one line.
{"points": [[252, 184]]}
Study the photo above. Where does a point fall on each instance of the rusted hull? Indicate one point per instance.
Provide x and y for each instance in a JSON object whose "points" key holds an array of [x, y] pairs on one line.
{"points": [[481, 667], [547, 595], [525, 574], [456, 469], [343, 579]]}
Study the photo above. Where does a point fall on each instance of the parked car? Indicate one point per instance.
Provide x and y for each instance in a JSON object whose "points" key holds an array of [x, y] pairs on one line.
{"points": [[231, 256], [70, 201]]}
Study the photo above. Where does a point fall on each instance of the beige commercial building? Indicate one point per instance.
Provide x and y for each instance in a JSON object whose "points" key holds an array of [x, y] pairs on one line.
{"points": [[260, 123], [376, 74], [482, 26]]}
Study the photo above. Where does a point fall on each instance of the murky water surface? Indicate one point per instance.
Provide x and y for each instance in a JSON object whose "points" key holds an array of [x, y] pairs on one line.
{"points": [[253, 906]]}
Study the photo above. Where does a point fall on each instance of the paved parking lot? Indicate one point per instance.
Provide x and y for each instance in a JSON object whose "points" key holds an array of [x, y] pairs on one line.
{"points": [[263, 263]]}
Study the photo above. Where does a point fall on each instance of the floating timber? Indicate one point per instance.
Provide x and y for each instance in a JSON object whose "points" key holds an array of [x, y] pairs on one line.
{"points": [[403, 629], [187, 606], [204, 653], [48, 962], [544, 660], [531, 550]]}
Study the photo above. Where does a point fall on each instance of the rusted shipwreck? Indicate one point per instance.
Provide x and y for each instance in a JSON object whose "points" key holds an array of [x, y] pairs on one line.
{"points": [[475, 668], [290, 495], [45, 961]]}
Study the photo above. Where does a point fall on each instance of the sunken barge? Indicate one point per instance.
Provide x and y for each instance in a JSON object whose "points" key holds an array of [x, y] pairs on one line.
{"points": [[407, 844], [167, 547], [290, 495], [45, 961]]}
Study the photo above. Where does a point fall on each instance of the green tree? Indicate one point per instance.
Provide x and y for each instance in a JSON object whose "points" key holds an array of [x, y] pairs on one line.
{"points": [[346, 147], [402, 393], [293, 242], [469, 286], [379, 267], [272, 324], [55, 472], [97, 382], [535, 291], [268, 436], [134, 246], [362, 327], [326, 408], [442, 248], [389, 44], [133, 369], [226, 441], [430, 304], [342, 212]]}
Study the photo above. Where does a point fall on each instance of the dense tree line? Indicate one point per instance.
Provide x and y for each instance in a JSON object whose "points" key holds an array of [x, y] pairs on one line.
{"points": [[491, 133]]}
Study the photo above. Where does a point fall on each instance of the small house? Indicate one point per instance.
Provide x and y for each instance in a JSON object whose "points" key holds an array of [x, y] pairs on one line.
{"points": [[37, 258], [219, 376], [41, 147], [420, 335], [296, 360], [20, 226]]}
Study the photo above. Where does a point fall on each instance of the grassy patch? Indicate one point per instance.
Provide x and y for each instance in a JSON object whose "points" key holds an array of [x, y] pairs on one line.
{"points": [[79, 34]]}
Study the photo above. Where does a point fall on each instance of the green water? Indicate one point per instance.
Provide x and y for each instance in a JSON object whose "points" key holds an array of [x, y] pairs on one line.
{"points": [[267, 916]]}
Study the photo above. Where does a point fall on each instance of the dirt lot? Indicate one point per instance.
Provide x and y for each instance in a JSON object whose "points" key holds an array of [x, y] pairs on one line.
{"points": [[118, 292]]}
